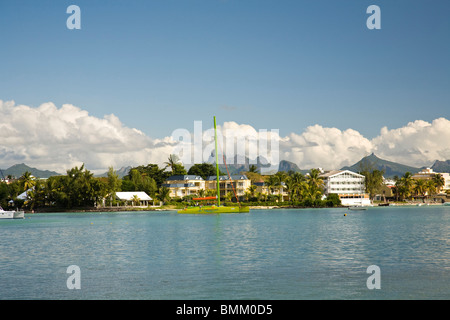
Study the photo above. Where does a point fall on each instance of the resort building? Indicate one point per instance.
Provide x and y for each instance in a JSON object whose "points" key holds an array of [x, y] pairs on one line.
{"points": [[130, 198], [348, 185], [428, 174], [240, 183], [263, 188], [184, 185]]}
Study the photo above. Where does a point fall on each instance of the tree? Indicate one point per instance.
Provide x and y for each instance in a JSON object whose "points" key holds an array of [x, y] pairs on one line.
{"points": [[254, 169], [113, 183], [136, 201], [420, 187], [171, 162], [163, 194], [251, 190], [430, 187], [203, 170], [439, 181], [404, 185], [373, 181], [152, 171], [27, 181], [314, 185]]}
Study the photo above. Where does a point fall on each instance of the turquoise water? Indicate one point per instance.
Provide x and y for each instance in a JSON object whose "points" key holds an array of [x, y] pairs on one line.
{"points": [[264, 254]]}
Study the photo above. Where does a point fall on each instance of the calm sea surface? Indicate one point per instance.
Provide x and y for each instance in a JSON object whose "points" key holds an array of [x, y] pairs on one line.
{"points": [[264, 254]]}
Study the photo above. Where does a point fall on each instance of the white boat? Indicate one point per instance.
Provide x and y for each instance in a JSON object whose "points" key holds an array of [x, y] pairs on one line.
{"points": [[19, 214], [6, 214], [446, 204], [357, 207], [11, 214]]}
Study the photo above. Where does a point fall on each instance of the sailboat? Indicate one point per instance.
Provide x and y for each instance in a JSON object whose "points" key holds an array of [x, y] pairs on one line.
{"points": [[207, 209]]}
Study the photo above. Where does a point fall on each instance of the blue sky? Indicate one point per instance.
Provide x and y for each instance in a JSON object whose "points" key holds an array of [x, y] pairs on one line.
{"points": [[160, 65]]}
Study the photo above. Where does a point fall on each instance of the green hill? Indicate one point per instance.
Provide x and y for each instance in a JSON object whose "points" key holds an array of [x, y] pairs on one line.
{"points": [[441, 166], [390, 168], [18, 170]]}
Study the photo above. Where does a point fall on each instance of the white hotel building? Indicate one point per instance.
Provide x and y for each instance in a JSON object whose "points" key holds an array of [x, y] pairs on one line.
{"points": [[348, 185]]}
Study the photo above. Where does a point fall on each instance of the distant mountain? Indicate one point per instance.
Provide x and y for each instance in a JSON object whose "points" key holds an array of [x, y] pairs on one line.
{"points": [[122, 172], [441, 166], [18, 170], [240, 164], [287, 166], [390, 168]]}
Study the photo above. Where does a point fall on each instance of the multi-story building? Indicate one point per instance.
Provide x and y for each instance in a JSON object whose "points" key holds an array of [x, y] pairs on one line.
{"points": [[263, 188], [184, 185], [348, 185], [239, 182], [428, 174]]}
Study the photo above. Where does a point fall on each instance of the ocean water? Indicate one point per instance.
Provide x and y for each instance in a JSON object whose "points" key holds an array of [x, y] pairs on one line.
{"points": [[265, 254]]}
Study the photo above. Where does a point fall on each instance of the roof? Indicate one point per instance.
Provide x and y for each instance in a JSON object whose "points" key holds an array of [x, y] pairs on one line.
{"points": [[184, 177], [224, 178], [178, 185], [338, 172], [129, 195]]}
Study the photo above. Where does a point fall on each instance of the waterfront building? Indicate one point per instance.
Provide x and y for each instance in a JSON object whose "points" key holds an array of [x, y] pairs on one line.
{"points": [[130, 196], [240, 183], [348, 185], [184, 185], [428, 174], [263, 188]]}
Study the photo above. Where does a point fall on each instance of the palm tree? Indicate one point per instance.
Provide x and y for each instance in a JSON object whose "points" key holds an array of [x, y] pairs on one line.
{"points": [[419, 187], [201, 193], [135, 200], [430, 187], [271, 183], [404, 185], [27, 181], [298, 180], [163, 194], [439, 181], [172, 161], [253, 169], [229, 196], [252, 190], [314, 182]]}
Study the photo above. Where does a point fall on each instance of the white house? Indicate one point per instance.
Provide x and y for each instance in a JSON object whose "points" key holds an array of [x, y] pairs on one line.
{"points": [[348, 185], [129, 197]]}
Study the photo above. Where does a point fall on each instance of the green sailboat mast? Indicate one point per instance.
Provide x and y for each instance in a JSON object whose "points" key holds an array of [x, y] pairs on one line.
{"points": [[217, 164]]}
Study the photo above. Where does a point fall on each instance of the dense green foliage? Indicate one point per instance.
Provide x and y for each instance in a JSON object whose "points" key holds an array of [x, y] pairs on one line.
{"points": [[79, 188]]}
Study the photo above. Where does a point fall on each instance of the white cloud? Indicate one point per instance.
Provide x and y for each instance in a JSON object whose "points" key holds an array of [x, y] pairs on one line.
{"points": [[327, 148], [48, 137], [419, 143], [59, 138]]}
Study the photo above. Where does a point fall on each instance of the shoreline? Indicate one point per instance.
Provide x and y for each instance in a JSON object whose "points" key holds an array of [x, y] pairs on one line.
{"points": [[173, 208]]}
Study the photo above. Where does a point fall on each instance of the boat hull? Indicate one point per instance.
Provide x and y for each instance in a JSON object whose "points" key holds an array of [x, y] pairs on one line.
{"points": [[357, 208], [6, 214], [19, 214], [12, 214], [213, 210]]}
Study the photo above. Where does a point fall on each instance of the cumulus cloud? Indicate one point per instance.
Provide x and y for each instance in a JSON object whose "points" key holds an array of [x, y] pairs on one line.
{"points": [[57, 139], [419, 143], [60, 138]]}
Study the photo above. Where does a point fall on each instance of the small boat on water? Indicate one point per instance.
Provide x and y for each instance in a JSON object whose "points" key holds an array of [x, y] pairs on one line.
{"points": [[446, 204], [11, 214], [357, 207]]}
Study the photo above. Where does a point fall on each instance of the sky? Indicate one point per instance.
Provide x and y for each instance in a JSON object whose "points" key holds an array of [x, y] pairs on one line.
{"points": [[114, 91]]}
